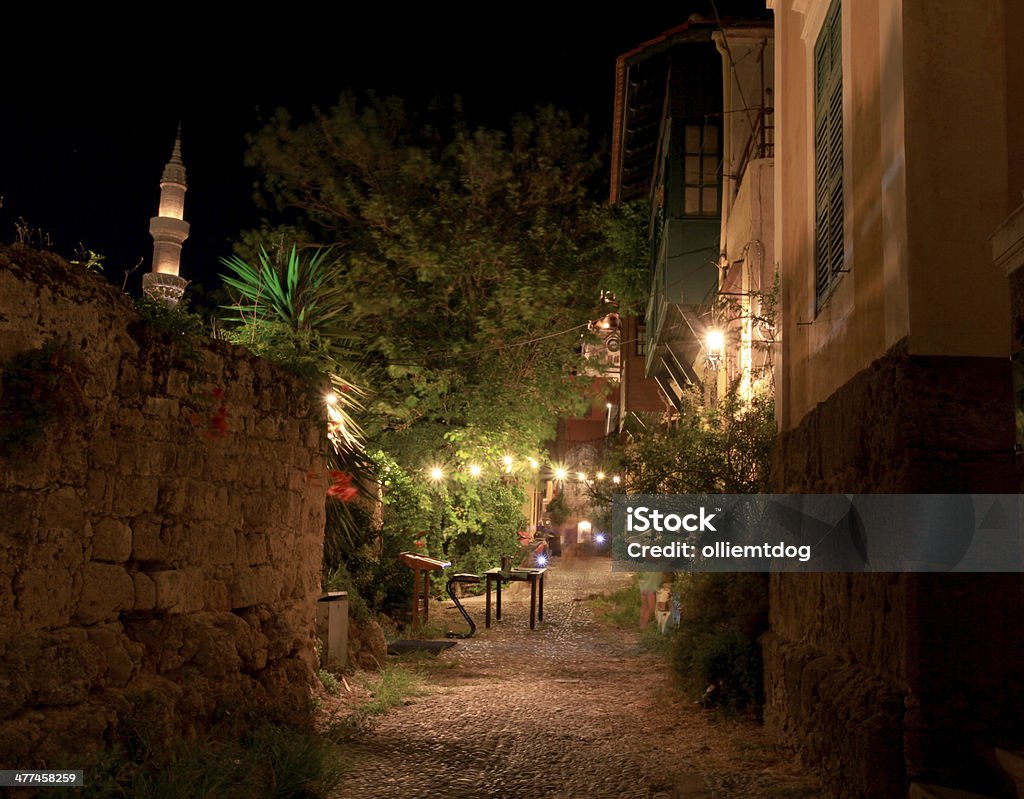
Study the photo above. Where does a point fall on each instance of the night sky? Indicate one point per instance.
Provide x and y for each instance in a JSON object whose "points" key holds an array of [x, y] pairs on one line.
{"points": [[89, 115]]}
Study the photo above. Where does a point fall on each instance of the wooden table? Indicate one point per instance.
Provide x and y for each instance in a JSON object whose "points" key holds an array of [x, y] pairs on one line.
{"points": [[536, 579], [421, 564]]}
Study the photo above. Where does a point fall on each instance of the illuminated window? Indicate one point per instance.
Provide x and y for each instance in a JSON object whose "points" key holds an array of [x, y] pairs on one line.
{"points": [[828, 155], [641, 336], [700, 170]]}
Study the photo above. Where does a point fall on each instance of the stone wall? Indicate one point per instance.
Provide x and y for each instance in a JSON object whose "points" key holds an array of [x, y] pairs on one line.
{"points": [[878, 679], [154, 563]]}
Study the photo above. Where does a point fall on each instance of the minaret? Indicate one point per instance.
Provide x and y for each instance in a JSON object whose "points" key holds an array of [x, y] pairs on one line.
{"points": [[169, 230]]}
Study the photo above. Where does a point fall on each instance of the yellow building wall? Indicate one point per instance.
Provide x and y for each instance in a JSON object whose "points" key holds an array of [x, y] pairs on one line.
{"points": [[925, 183]]}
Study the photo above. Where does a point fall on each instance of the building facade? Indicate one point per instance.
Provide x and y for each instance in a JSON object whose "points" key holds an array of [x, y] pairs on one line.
{"points": [[899, 153]]}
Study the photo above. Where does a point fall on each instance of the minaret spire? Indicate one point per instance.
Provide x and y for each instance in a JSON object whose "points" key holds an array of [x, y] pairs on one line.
{"points": [[169, 231]]}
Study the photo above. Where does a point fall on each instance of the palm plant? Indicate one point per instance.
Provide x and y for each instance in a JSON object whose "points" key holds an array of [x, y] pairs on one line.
{"points": [[293, 312]]}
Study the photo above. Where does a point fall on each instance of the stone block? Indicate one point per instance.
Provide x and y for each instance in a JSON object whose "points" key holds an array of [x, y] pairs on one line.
{"points": [[134, 496], [178, 590], [162, 408], [99, 491], [147, 544], [178, 384], [216, 595], [111, 541], [145, 591], [255, 549], [219, 544], [113, 646], [64, 674], [104, 452], [107, 589], [253, 586], [43, 597], [62, 508]]}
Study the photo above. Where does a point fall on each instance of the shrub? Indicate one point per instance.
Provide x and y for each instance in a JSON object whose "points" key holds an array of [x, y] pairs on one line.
{"points": [[716, 649]]}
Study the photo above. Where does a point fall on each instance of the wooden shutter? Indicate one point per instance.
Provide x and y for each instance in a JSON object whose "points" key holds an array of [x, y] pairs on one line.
{"points": [[828, 154]]}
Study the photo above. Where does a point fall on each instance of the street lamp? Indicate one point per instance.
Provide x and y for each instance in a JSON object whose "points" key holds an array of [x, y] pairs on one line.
{"points": [[715, 347]]}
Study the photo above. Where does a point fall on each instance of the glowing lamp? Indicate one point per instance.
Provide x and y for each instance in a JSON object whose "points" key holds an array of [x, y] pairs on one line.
{"points": [[715, 345]]}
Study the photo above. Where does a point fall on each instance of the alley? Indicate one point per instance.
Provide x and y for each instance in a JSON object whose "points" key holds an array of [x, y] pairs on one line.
{"points": [[573, 709]]}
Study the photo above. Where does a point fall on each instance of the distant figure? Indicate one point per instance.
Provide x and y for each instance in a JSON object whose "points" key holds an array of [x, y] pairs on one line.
{"points": [[649, 583], [536, 550]]}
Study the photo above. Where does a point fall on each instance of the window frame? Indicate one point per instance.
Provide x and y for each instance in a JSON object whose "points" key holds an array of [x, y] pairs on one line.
{"points": [[828, 136], [705, 158]]}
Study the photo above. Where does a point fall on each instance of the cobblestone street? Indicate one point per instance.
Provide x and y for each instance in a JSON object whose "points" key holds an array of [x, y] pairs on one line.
{"points": [[572, 709]]}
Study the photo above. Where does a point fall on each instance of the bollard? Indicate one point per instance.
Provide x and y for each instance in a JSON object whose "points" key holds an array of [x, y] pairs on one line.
{"points": [[332, 628]]}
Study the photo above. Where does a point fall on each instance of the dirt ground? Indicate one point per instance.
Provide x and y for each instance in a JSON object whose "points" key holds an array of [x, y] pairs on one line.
{"points": [[572, 709]]}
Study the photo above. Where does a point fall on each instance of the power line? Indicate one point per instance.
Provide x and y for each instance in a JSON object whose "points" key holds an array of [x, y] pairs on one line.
{"points": [[449, 354]]}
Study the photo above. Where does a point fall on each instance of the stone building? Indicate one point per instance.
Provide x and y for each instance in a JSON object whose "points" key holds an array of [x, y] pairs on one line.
{"points": [[900, 151]]}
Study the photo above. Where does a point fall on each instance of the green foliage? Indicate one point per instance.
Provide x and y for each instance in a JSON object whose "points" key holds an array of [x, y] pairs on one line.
{"points": [[337, 578], [726, 450], [716, 644], [330, 683], [40, 389], [468, 260], [291, 311], [393, 686], [480, 519], [164, 318], [628, 276], [258, 758], [300, 294], [558, 509], [88, 260]]}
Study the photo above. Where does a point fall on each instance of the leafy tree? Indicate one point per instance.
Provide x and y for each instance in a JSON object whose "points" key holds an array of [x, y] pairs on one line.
{"points": [[469, 261], [724, 450]]}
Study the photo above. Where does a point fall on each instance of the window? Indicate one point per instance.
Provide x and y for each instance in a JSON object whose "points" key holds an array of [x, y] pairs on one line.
{"points": [[641, 336], [828, 154], [700, 170]]}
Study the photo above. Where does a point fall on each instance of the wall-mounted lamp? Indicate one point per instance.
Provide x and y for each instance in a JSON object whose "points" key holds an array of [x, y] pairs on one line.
{"points": [[714, 347]]}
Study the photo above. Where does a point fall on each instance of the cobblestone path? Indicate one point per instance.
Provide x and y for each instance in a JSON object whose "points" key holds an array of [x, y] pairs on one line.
{"points": [[572, 709]]}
